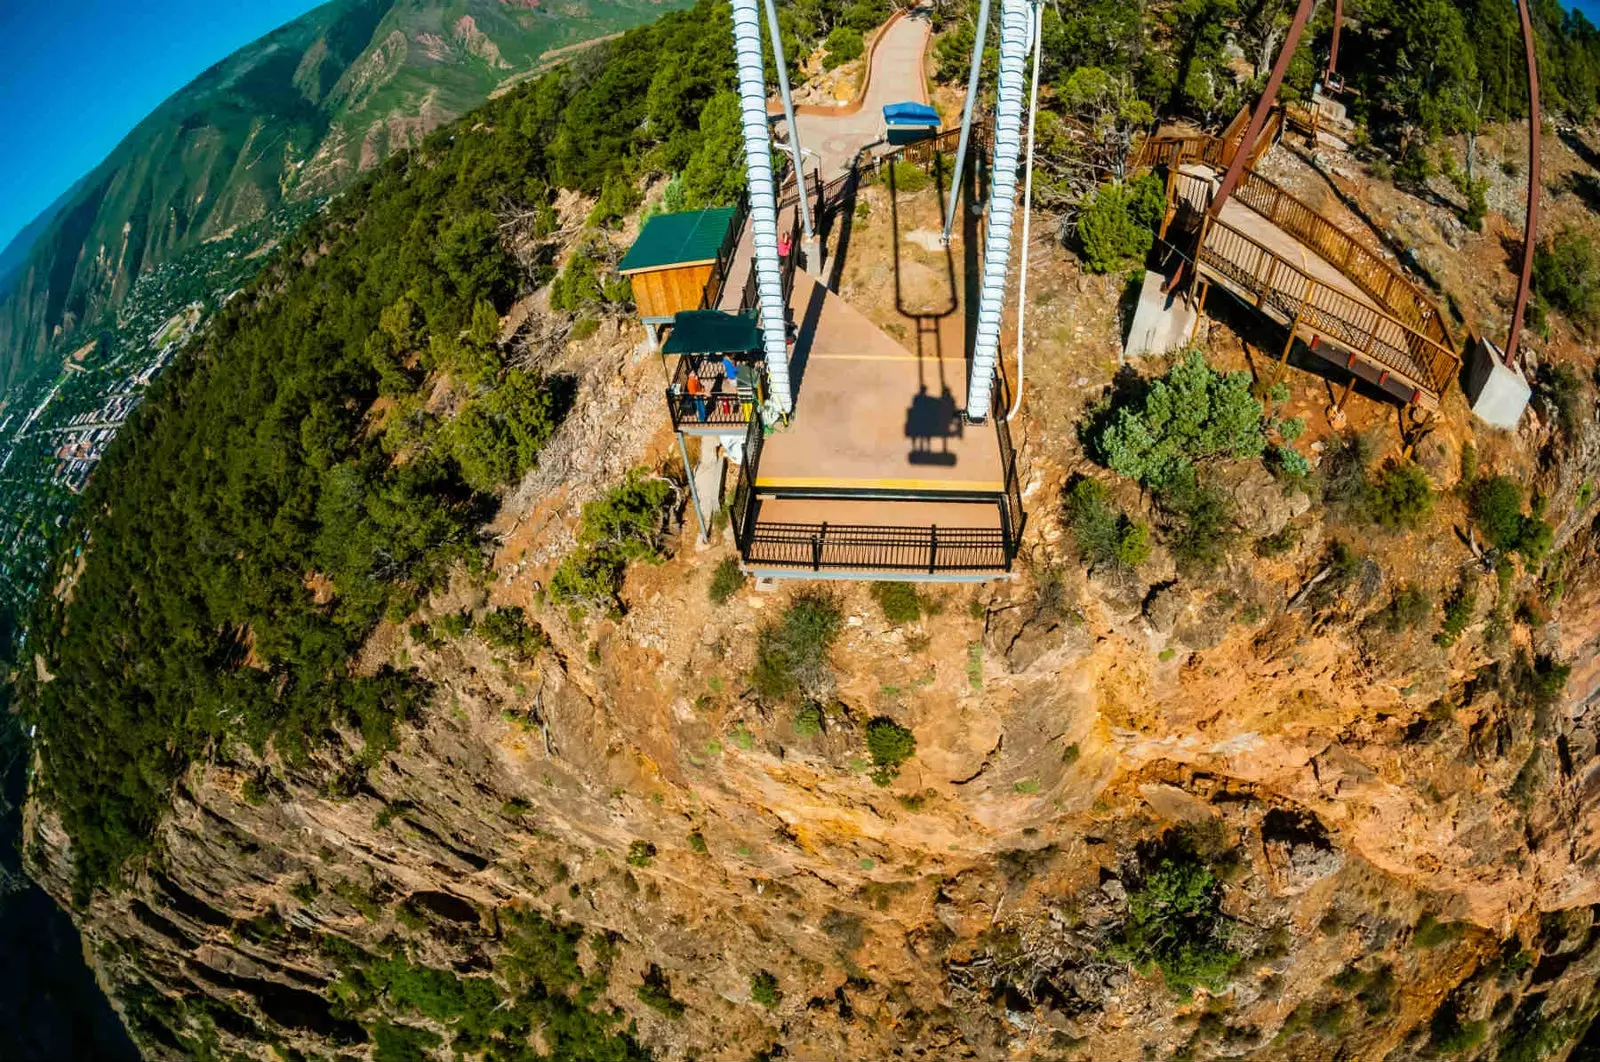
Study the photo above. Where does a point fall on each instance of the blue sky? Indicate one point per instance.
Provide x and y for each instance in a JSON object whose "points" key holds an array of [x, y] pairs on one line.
{"points": [[77, 75]]}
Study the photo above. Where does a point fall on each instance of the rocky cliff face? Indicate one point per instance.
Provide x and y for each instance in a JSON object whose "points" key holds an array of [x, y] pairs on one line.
{"points": [[1405, 834]]}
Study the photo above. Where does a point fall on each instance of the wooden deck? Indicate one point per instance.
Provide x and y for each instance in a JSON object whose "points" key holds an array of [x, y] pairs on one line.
{"points": [[1279, 256]]}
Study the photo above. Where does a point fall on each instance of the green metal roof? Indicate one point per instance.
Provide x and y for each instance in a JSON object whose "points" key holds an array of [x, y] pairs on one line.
{"points": [[712, 332], [678, 239]]}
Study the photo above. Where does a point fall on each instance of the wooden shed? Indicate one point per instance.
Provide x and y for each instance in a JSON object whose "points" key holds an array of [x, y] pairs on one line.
{"points": [[674, 258]]}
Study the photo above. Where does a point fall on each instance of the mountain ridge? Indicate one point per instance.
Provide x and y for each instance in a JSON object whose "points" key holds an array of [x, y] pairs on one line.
{"points": [[295, 114]]}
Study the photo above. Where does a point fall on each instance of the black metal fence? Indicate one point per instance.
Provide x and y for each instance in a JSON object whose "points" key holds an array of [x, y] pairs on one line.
{"points": [[743, 508], [721, 402], [725, 253], [844, 547], [1011, 515]]}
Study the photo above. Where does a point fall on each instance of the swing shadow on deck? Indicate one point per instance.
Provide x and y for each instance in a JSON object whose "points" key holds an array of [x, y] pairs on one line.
{"points": [[1278, 256], [878, 474]]}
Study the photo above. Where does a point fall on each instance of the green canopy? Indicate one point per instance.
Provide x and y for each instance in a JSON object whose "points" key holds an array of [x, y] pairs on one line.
{"points": [[692, 237], [712, 332]]}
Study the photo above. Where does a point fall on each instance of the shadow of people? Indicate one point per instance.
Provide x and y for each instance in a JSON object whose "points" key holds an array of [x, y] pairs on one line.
{"points": [[931, 419]]}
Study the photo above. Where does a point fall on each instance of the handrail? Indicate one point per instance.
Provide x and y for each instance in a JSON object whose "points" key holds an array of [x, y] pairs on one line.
{"points": [[725, 254], [1386, 285], [1296, 294], [742, 509], [856, 547], [721, 402]]}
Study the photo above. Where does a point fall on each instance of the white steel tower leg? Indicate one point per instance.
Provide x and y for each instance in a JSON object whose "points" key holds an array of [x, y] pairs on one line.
{"points": [[763, 203], [1016, 34]]}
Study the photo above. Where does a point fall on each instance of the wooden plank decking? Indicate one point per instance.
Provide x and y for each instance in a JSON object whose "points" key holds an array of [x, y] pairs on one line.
{"points": [[1278, 255]]}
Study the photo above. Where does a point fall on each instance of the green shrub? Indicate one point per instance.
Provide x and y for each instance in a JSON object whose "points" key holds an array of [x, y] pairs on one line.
{"points": [[1175, 920], [640, 853], [1401, 496], [1566, 274], [1429, 932], [656, 993], [764, 989], [1117, 223], [509, 628], [792, 654], [497, 436], [907, 178], [1409, 609], [844, 44], [1192, 415], [1495, 505], [624, 525], [1453, 1037], [697, 843], [1105, 535], [726, 581], [1458, 612], [1345, 484], [1200, 524], [899, 601], [890, 745], [808, 719], [587, 284]]}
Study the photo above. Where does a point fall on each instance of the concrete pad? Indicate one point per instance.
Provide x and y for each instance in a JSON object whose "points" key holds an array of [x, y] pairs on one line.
{"points": [[1162, 322], [1497, 392]]}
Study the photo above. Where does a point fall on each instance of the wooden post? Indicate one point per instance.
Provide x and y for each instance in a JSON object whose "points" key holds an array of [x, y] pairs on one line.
{"points": [[1338, 406], [1294, 326], [1199, 309]]}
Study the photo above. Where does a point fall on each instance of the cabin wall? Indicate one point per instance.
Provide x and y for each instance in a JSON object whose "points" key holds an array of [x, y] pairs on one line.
{"points": [[663, 292]]}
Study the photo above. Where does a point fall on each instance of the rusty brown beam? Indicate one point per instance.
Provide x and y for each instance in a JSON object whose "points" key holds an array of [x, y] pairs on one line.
{"points": [[1269, 96], [1333, 50], [1530, 230]]}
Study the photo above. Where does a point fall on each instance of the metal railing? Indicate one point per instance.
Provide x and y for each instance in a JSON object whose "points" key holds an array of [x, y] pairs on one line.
{"points": [[720, 403], [725, 254], [1365, 268], [742, 509], [1012, 518], [1272, 282], [849, 547]]}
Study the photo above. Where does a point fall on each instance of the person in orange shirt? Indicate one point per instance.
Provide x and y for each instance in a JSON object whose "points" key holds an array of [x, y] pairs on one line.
{"points": [[697, 391]]}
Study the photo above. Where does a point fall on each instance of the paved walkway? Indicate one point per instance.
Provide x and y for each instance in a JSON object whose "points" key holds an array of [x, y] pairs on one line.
{"points": [[897, 77], [871, 415]]}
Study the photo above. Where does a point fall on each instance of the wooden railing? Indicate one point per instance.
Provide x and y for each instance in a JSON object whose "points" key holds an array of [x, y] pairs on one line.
{"points": [[1386, 285], [923, 153], [1172, 150], [1277, 284]]}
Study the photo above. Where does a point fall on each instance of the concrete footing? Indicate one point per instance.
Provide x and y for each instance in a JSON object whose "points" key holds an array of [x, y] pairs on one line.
{"points": [[1162, 322], [1497, 392]]}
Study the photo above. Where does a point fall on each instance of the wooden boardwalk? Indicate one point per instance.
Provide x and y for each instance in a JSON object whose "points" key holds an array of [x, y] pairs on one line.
{"points": [[1281, 257]]}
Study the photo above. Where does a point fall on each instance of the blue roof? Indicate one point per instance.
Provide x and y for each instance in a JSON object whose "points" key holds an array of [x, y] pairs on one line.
{"points": [[910, 114]]}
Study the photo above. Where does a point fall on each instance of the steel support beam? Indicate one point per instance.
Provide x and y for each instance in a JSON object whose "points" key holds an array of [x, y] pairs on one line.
{"points": [[1269, 96], [1530, 230]]}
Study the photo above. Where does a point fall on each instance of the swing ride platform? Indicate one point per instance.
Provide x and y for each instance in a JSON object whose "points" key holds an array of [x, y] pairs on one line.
{"points": [[1279, 256], [876, 474]]}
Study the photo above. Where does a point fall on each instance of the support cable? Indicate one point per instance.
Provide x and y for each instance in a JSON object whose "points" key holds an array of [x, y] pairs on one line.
{"points": [[1027, 210]]}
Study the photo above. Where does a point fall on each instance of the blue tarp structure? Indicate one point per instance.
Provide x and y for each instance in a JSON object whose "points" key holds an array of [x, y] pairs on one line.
{"points": [[910, 114]]}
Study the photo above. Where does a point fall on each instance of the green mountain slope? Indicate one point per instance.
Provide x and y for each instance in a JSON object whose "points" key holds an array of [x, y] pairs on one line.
{"points": [[298, 113]]}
